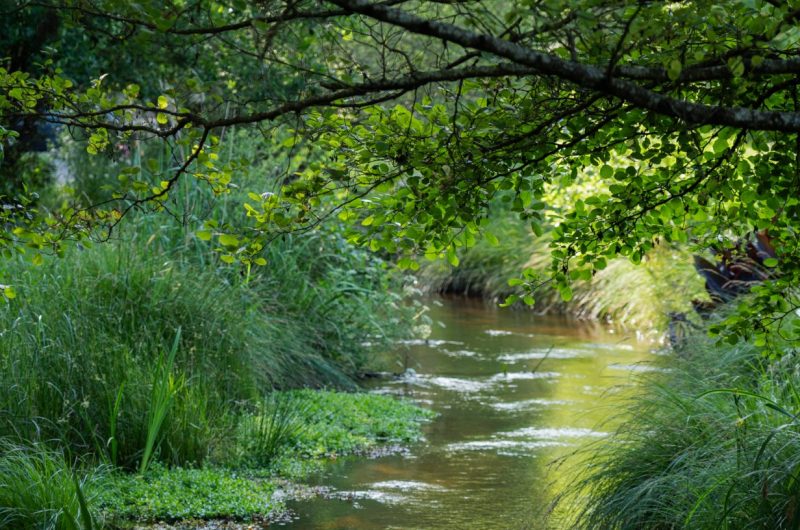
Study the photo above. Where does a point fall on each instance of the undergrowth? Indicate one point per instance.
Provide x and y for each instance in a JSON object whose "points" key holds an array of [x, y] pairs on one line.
{"points": [[289, 435], [39, 488]]}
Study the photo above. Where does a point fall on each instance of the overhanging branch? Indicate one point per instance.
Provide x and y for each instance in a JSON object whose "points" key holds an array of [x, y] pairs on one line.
{"points": [[583, 75]]}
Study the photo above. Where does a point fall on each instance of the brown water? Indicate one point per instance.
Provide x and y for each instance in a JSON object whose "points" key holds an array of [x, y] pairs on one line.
{"points": [[505, 415]]}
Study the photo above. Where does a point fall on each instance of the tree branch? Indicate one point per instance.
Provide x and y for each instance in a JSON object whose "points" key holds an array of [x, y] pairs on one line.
{"points": [[583, 75]]}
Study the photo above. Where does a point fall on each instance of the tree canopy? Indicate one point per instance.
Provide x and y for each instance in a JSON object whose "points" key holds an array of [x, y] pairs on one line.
{"points": [[413, 116]]}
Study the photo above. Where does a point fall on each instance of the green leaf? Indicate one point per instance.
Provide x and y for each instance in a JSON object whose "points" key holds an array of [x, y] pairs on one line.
{"points": [[720, 146], [228, 240], [9, 292], [566, 293], [203, 235], [529, 300], [162, 118], [510, 300], [163, 102], [771, 262], [674, 69], [227, 258], [452, 258], [736, 66]]}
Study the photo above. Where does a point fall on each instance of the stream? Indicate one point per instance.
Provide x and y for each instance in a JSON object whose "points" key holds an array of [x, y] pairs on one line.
{"points": [[514, 392]]}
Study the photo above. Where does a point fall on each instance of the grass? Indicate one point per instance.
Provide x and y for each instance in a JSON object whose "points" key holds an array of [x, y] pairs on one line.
{"points": [[712, 443], [149, 357], [311, 426], [83, 373], [40, 489]]}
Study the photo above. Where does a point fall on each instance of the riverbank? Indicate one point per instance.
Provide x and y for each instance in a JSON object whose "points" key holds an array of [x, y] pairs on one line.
{"points": [[298, 433], [314, 427], [151, 356], [710, 441]]}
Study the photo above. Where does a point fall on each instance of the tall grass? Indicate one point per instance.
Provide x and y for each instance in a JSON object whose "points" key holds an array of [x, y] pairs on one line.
{"points": [[713, 443], [275, 424], [83, 340], [39, 489], [165, 387]]}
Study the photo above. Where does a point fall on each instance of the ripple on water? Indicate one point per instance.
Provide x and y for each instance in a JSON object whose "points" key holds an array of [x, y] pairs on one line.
{"points": [[460, 385], [460, 353], [407, 485], [517, 376], [553, 433], [369, 495], [505, 447], [429, 342], [528, 404], [557, 353], [504, 333]]}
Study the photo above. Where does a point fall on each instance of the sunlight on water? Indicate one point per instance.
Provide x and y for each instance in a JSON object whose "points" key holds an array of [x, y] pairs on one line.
{"points": [[514, 392]]}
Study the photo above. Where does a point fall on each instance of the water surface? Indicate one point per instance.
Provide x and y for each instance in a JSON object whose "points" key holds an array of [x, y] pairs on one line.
{"points": [[514, 392]]}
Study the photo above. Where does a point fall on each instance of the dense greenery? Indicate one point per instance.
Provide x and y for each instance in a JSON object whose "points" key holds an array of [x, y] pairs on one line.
{"points": [[84, 370], [40, 489], [637, 296], [199, 201], [684, 113]]}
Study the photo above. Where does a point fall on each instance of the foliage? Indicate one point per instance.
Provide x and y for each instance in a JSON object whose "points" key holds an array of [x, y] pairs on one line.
{"points": [[301, 429], [82, 372], [40, 489], [711, 442], [339, 424], [418, 115], [272, 428], [165, 388], [640, 296], [172, 494]]}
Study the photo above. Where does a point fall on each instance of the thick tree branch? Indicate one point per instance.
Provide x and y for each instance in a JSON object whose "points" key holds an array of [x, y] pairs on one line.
{"points": [[583, 75]]}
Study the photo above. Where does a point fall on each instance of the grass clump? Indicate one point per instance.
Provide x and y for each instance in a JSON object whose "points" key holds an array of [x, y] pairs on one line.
{"points": [[712, 443], [40, 489]]}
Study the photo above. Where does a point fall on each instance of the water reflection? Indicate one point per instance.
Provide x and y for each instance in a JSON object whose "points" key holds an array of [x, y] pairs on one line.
{"points": [[514, 392]]}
